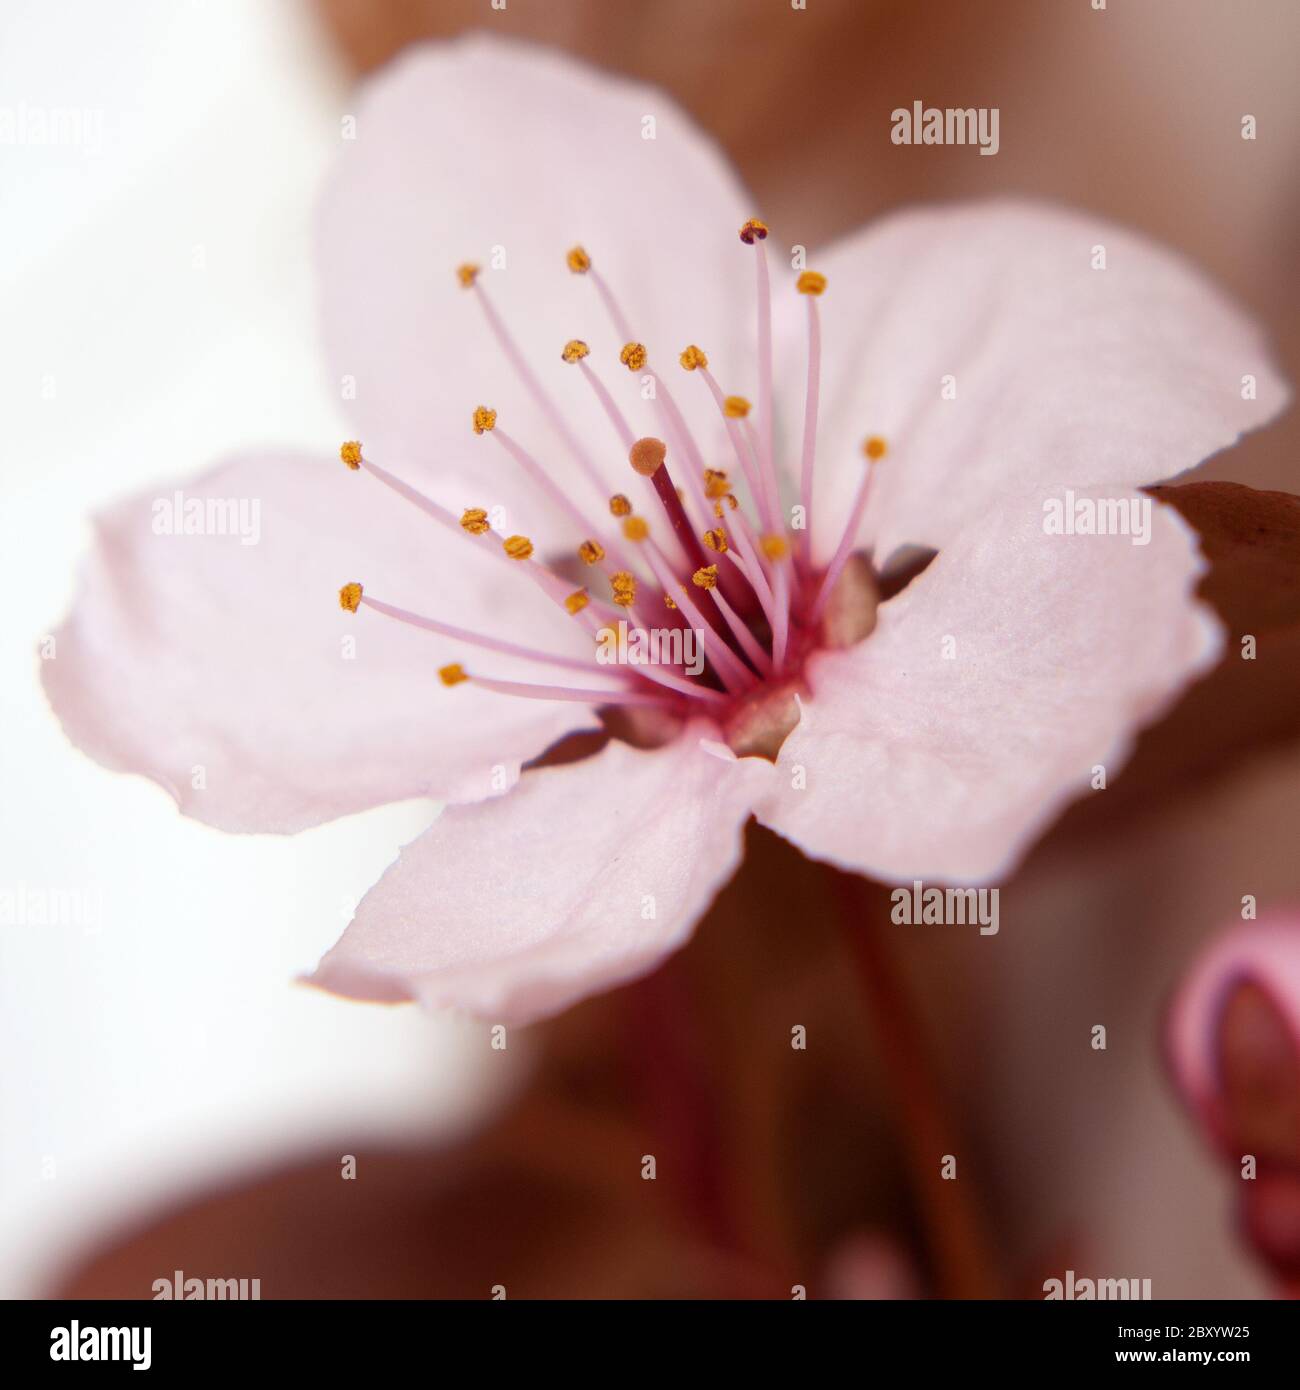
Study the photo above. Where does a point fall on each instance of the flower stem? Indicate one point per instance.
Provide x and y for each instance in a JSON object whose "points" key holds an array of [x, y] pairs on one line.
{"points": [[955, 1226], [674, 1099]]}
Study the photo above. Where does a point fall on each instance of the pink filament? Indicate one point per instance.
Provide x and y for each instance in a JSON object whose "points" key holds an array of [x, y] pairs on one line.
{"points": [[476, 639], [731, 670], [810, 428], [616, 315], [557, 494], [550, 583], [845, 547], [767, 459], [753, 478], [575, 694], [536, 390], [609, 405], [758, 658]]}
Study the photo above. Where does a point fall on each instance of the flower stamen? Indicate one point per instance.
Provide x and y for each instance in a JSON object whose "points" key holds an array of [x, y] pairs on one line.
{"points": [[550, 583], [535, 389], [749, 644], [471, 638], [811, 401], [731, 670], [574, 603], [763, 282], [753, 476], [576, 694], [874, 449], [550, 487], [776, 548], [608, 404]]}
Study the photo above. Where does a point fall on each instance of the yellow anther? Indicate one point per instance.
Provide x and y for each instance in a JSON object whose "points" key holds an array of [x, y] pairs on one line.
{"points": [[730, 500], [636, 528], [874, 448], [693, 357], [485, 419], [578, 261], [670, 602], [517, 547], [350, 453], [735, 407], [591, 552], [453, 674], [619, 505], [350, 597], [716, 484], [716, 540], [646, 455], [577, 601], [623, 588], [475, 521], [810, 282], [467, 274], [633, 356], [753, 231], [775, 547], [706, 577], [575, 350]]}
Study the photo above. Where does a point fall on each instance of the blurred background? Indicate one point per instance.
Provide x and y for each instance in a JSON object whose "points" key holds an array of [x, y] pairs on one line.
{"points": [[157, 292]]}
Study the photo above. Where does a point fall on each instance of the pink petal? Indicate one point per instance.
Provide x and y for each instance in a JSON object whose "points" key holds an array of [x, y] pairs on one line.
{"points": [[1265, 955], [485, 145], [1065, 375], [515, 909], [921, 766], [187, 652]]}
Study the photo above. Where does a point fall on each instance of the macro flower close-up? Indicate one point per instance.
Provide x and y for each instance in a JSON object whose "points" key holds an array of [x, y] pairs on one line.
{"points": [[929, 382], [700, 607]]}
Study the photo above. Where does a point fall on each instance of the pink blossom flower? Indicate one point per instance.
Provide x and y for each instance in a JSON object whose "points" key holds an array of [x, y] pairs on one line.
{"points": [[1233, 1046], [980, 351]]}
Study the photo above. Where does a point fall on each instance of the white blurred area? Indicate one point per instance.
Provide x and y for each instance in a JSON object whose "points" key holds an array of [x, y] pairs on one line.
{"points": [[158, 306]]}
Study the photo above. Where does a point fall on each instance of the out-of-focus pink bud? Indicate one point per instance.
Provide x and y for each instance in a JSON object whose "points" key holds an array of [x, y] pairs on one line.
{"points": [[868, 1265], [1233, 1045]]}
